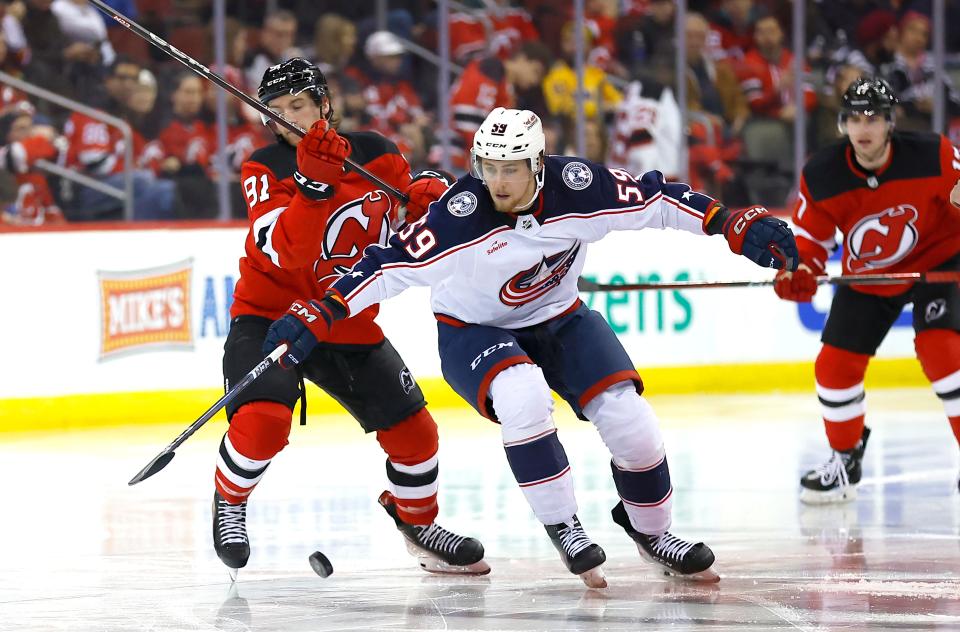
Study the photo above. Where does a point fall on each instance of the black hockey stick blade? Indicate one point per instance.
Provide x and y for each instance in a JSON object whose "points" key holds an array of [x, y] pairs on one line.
{"points": [[161, 460], [158, 463]]}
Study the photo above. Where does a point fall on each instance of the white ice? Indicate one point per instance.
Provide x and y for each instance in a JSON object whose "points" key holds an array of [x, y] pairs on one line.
{"points": [[80, 550]]}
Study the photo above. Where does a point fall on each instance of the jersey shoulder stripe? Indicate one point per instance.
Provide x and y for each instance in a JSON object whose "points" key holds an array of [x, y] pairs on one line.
{"points": [[279, 158], [365, 147]]}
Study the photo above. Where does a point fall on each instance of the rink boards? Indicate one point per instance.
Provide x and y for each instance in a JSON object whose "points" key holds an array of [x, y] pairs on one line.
{"points": [[104, 325]]}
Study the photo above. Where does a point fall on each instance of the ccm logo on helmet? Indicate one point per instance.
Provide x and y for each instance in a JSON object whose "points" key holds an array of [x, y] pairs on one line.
{"points": [[496, 347], [746, 217], [300, 310]]}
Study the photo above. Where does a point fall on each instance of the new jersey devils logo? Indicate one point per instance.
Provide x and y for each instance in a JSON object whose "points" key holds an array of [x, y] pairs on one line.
{"points": [[350, 229], [534, 282], [881, 240]]}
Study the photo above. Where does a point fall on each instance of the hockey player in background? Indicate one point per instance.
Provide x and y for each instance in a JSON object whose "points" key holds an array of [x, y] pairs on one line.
{"points": [[310, 221], [502, 251], [895, 198]]}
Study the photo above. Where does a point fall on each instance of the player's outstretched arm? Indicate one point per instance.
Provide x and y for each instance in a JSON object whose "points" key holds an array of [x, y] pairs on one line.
{"points": [[755, 234]]}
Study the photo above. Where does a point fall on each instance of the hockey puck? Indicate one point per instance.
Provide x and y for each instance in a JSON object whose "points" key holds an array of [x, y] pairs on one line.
{"points": [[320, 564]]}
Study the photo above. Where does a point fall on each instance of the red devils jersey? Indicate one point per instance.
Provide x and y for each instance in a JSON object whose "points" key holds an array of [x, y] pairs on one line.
{"points": [[187, 141], [34, 204], [481, 88], [296, 247], [896, 219]]}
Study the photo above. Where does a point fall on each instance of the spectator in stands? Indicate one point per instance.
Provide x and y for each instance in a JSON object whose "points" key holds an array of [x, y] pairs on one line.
{"points": [[23, 145], [393, 107], [560, 84], [645, 41], [647, 130], [498, 30], [277, 39], [83, 23], [18, 49], [244, 135], [488, 83], [334, 43], [829, 104], [911, 74], [142, 112], [98, 150], [877, 38], [734, 24], [48, 54], [186, 141], [11, 99], [119, 84], [712, 86], [766, 75]]}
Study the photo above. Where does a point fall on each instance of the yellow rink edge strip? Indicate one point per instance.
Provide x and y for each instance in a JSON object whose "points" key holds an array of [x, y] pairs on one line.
{"points": [[73, 412]]}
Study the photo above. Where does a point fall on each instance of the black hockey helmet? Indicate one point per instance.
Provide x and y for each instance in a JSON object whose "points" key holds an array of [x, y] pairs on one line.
{"points": [[293, 76], [867, 95]]}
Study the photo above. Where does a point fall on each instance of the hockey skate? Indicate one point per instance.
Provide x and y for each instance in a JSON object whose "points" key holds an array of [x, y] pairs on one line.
{"points": [[230, 539], [438, 550], [836, 480], [676, 557], [581, 556]]}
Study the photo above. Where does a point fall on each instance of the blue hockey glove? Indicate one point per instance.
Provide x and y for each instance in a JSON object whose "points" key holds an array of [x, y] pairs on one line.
{"points": [[758, 236]]}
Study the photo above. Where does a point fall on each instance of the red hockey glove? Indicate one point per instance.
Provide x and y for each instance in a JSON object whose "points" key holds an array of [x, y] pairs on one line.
{"points": [[799, 285], [304, 325], [758, 236], [425, 188], [320, 157]]}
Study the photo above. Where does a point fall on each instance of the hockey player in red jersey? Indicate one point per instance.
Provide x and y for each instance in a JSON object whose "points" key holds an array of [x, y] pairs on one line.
{"points": [[895, 198], [310, 221]]}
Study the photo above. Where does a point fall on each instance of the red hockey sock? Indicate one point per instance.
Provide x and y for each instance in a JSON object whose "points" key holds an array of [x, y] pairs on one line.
{"points": [[839, 376], [412, 466], [939, 353], [258, 431]]}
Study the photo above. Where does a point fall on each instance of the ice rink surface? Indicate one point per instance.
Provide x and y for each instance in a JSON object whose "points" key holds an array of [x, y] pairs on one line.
{"points": [[80, 550]]}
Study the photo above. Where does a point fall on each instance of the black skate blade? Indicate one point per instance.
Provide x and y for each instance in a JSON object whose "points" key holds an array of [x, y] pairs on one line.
{"points": [[706, 576], [432, 564], [594, 578]]}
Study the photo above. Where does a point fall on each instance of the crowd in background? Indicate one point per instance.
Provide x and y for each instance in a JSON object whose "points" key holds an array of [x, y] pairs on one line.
{"points": [[519, 53]]}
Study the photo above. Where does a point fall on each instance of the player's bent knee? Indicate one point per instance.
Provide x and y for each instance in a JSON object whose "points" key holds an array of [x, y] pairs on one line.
{"points": [[522, 402], [839, 368], [259, 430], [628, 426], [412, 440], [938, 351]]}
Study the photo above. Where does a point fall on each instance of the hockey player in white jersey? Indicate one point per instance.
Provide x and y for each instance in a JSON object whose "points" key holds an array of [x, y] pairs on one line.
{"points": [[501, 252]]}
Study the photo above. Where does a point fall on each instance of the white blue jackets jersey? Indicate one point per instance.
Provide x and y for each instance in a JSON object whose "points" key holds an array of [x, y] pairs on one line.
{"points": [[511, 271]]}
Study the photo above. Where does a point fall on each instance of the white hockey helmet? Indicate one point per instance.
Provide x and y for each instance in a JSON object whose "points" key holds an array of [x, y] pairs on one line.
{"points": [[510, 135]]}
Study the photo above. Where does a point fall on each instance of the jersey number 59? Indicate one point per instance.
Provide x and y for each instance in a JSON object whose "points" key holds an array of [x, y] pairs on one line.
{"points": [[421, 243]]}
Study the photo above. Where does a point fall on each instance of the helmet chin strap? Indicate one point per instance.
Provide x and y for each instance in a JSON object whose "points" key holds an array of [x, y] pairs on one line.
{"points": [[538, 179]]}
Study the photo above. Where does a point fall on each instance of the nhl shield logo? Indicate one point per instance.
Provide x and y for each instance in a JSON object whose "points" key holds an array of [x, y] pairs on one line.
{"points": [[577, 176], [462, 204]]}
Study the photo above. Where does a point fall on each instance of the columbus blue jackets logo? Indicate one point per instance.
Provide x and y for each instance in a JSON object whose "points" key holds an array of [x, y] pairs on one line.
{"points": [[534, 282], [577, 175], [462, 204]]}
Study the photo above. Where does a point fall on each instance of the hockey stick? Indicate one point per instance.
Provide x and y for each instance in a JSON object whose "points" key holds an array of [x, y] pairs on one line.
{"points": [[893, 278], [161, 460], [208, 74]]}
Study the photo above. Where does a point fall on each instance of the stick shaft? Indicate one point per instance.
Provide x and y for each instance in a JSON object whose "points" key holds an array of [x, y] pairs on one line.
{"points": [[893, 278], [208, 74], [152, 467]]}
